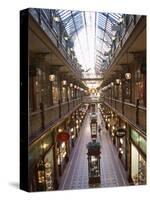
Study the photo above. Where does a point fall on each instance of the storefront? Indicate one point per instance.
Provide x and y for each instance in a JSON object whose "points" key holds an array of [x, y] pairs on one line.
{"points": [[62, 148], [45, 172], [138, 158], [41, 164], [73, 137], [62, 156]]}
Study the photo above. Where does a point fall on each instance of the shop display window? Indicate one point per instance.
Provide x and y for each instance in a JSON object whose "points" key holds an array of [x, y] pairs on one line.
{"points": [[64, 98], [49, 172], [120, 92], [69, 93], [138, 140], [55, 92], [127, 90], [46, 173], [138, 167], [140, 87], [61, 153]]}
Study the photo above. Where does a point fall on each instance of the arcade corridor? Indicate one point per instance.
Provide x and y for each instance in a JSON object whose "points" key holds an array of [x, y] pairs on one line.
{"points": [[84, 71], [76, 173]]}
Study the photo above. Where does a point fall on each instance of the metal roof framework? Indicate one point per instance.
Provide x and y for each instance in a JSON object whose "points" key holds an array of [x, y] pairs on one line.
{"points": [[74, 21]]}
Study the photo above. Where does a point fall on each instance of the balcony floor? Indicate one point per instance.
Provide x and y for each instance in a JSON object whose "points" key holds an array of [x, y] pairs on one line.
{"points": [[75, 175]]}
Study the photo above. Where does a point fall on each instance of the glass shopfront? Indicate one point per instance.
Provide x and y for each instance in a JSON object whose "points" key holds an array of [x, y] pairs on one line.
{"points": [[64, 96], [140, 87], [73, 136], [61, 156], [55, 94], [127, 90], [69, 93], [49, 171], [61, 152], [138, 162], [45, 173]]}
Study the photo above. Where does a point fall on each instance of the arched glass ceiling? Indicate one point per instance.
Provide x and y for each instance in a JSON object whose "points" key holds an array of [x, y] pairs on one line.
{"points": [[92, 35]]}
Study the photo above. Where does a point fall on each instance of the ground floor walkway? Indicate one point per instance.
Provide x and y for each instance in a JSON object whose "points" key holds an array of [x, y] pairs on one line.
{"points": [[75, 175]]}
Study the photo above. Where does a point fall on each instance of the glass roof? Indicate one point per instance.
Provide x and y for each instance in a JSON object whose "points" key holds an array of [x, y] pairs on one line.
{"points": [[92, 35]]}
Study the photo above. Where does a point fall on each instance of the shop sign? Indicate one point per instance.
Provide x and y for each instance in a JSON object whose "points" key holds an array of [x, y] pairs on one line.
{"points": [[63, 136], [120, 132]]}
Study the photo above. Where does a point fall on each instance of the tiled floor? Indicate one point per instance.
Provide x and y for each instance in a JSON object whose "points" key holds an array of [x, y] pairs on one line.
{"points": [[75, 175]]}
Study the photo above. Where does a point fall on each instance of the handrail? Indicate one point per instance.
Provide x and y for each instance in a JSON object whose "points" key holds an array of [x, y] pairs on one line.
{"points": [[52, 107], [43, 17], [119, 41], [127, 103]]}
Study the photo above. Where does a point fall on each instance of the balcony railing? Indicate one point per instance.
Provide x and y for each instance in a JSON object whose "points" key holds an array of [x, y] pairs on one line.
{"points": [[55, 34], [91, 99], [121, 38], [134, 113], [41, 120]]}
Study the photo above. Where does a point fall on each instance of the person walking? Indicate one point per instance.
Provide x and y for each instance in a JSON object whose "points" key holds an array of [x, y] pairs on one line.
{"points": [[99, 130]]}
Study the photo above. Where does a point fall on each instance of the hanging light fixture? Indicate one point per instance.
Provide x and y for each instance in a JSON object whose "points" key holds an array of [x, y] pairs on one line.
{"points": [[128, 75], [56, 18], [118, 81], [66, 38], [71, 85], [113, 38], [120, 20], [64, 82], [52, 77], [112, 83]]}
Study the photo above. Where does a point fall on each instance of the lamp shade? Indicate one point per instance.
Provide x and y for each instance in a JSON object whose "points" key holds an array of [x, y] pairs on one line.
{"points": [[128, 76], [64, 82], [112, 83], [52, 77], [118, 81], [56, 19], [71, 84]]}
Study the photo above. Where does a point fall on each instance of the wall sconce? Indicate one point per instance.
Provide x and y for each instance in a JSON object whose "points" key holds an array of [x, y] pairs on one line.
{"points": [[128, 76], [75, 86], [56, 18], [52, 77], [64, 82]]}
